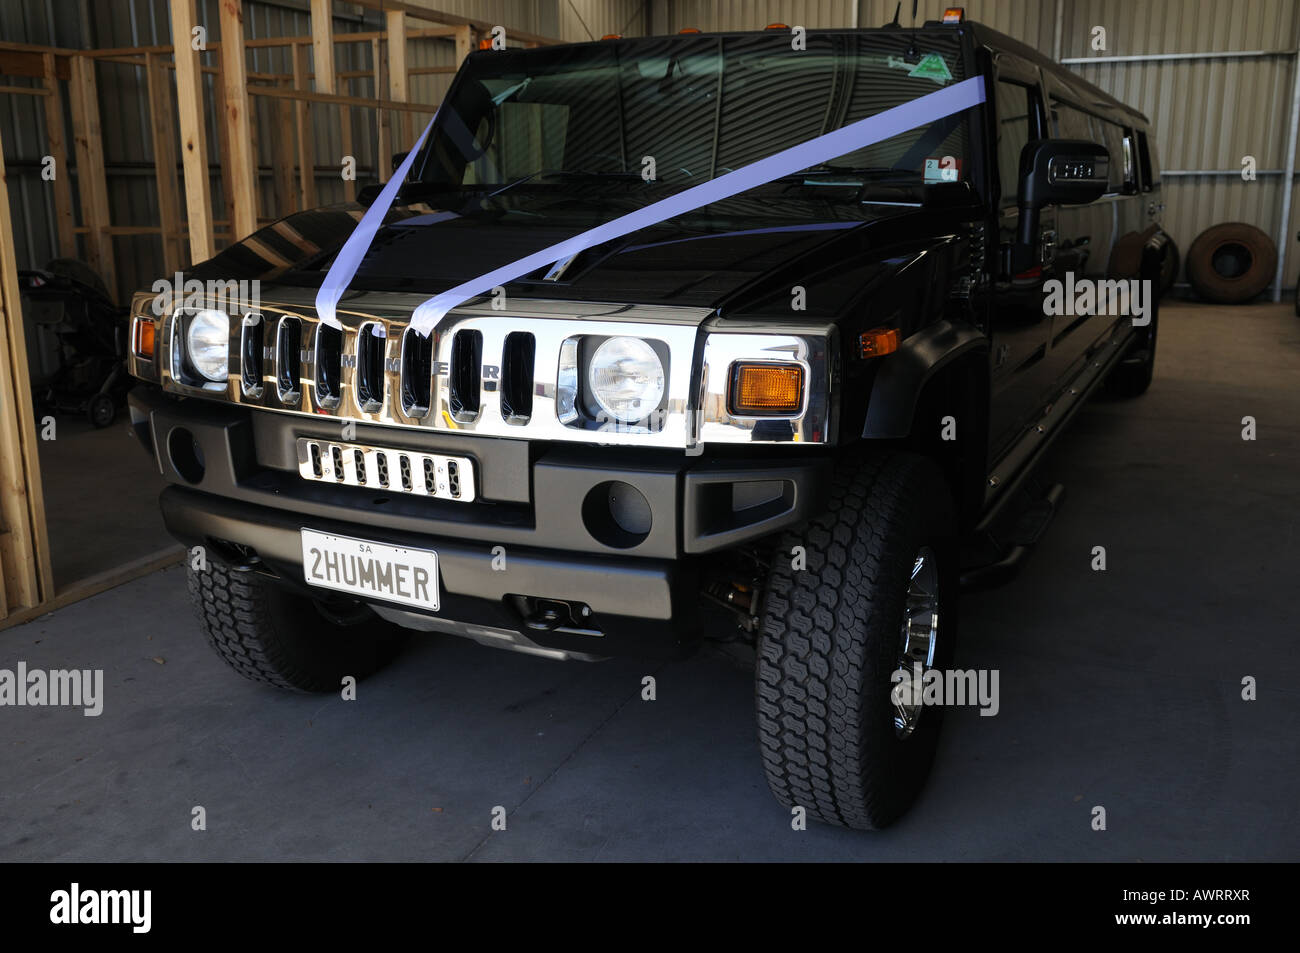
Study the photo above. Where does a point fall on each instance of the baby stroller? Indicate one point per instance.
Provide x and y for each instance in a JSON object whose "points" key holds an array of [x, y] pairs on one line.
{"points": [[69, 305]]}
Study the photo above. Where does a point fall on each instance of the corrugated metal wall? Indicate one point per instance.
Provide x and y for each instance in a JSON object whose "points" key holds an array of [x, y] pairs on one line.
{"points": [[1208, 113]]}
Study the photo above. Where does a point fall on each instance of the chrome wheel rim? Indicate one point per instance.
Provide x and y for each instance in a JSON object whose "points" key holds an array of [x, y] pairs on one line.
{"points": [[917, 640]]}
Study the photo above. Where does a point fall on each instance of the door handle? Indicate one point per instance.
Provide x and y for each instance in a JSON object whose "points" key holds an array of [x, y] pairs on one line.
{"points": [[1048, 246]]}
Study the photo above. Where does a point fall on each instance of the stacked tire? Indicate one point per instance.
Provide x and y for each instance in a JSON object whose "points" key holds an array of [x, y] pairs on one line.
{"points": [[1231, 263]]}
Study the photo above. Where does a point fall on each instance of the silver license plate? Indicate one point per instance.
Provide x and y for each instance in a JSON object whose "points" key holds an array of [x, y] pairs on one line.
{"points": [[371, 570]]}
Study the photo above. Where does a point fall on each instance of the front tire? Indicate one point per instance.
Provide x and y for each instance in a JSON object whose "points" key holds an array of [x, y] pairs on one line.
{"points": [[271, 635], [834, 632]]}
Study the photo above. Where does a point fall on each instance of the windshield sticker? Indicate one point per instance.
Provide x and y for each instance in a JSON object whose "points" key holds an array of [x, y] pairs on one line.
{"points": [[942, 169], [932, 66]]}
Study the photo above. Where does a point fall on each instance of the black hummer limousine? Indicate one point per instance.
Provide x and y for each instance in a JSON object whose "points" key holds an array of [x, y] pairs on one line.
{"points": [[745, 335]]}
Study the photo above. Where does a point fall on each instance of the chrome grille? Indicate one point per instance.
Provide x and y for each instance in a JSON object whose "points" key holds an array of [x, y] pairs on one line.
{"points": [[502, 381], [439, 475]]}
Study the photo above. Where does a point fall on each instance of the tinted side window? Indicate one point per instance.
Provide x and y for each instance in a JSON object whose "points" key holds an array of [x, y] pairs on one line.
{"points": [[1113, 139], [1070, 123], [1149, 162], [1014, 107], [1130, 161]]}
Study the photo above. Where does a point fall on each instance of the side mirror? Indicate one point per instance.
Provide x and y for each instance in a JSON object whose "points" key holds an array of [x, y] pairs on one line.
{"points": [[1058, 172], [398, 159]]}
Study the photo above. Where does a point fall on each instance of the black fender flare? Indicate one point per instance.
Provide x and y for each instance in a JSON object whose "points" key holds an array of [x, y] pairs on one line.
{"points": [[902, 376]]}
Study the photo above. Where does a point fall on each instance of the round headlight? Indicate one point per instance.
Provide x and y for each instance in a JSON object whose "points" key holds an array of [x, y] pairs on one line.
{"points": [[207, 343], [626, 378]]}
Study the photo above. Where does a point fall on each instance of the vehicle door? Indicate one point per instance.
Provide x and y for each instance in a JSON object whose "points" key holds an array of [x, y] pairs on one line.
{"points": [[1017, 323]]}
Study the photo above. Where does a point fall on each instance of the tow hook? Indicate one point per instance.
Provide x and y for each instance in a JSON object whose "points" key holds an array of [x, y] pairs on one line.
{"points": [[548, 615]]}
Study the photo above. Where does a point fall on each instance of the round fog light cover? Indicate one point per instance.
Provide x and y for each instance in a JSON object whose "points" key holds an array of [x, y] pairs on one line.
{"points": [[627, 379], [207, 343]]}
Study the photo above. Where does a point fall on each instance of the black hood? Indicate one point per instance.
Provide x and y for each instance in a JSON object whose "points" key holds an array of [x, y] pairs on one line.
{"points": [[698, 259]]}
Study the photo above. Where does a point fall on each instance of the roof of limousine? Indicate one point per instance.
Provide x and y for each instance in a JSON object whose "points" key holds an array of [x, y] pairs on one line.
{"points": [[1082, 92]]}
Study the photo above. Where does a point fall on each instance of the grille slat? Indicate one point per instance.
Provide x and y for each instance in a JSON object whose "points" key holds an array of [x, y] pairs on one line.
{"points": [[288, 360], [371, 348], [466, 359], [329, 366], [416, 373], [517, 359], [250, 354]]}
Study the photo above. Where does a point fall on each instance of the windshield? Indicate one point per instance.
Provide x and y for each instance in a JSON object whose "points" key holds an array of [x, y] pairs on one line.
{"points": [[659, 115]]}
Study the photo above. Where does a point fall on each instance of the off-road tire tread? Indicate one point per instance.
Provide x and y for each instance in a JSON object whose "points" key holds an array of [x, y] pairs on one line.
{"points": [[809, 665], [237, 612]]}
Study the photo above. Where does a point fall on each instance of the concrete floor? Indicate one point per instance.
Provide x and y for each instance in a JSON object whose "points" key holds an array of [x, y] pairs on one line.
{"points": [[101, 498], [1119, 689]]}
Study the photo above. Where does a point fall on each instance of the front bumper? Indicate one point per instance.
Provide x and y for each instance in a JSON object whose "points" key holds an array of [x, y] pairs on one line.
{"points": [[247, 502]]}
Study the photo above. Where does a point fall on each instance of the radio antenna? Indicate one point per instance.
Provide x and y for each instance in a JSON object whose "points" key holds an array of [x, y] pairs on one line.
{"points": [[912, 56]]}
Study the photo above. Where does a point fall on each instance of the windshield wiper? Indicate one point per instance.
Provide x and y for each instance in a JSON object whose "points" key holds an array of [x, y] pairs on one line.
{"points": [[873, 173], [583, 174]]}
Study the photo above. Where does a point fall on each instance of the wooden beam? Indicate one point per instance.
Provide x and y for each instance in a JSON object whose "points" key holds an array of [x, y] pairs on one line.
{"points": [[26, 578], [322, 45], [345, 140], [260, 42], [100, 582], [223, 152], [163, 132], [238, 120], [464, 43], [302, 123], [298, 95], [384, 153], [91, 181], [322, 32], [398, 88], [23, 59], [422, 12], [55, 130], [282, 149], [194, 150]]}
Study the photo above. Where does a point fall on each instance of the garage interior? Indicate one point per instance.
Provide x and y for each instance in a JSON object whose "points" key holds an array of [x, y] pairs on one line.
{"points": [[1121, 688]]}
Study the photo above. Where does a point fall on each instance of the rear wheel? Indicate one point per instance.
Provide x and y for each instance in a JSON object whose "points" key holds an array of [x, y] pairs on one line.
{"points": [[271, 635], [877, 595], [1132, 375]]}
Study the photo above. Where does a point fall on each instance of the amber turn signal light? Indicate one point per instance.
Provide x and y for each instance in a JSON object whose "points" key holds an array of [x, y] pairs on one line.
{"points": [[142, 339], [879, 341], [766, 390]]}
